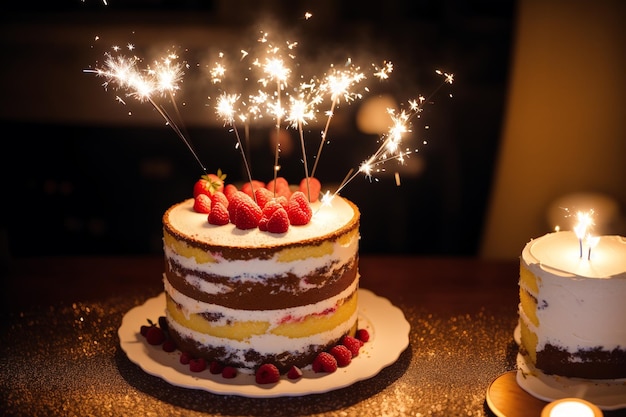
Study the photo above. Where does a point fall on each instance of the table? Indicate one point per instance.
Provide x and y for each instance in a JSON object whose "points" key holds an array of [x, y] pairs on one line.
{"points": [[61, 355]]}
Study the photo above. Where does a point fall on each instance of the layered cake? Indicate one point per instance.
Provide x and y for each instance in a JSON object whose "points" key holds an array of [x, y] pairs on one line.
{"points": [[246, 296], [572, 311]]}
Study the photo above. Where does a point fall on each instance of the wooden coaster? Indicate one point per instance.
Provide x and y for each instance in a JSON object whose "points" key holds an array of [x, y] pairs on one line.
{"points": [[506, 398]]}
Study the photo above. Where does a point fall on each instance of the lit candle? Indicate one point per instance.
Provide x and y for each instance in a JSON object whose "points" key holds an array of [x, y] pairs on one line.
{"points": [[571, 407], [592, 241], [585, 221]]}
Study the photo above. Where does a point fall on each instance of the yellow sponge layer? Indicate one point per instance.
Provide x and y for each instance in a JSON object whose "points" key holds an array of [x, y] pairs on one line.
{"points": [[529, 306], [304, 252], [236, 331], [317, 324], [181, 248], [529, 341], [240, 331], [529, 279]]}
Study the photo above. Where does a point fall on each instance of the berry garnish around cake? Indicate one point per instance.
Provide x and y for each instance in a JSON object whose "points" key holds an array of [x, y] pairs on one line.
{"points": [[267, 374], [342, 355], [324, 362], [338, 356]]}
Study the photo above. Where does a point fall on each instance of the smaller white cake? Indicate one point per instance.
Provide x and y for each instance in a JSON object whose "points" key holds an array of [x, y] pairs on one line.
{"points": [[572, 311]]}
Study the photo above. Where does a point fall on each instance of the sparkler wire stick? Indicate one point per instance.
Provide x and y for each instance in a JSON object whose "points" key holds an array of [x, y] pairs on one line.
{"points": [[324, 134], [176, 130], [277, 150]]}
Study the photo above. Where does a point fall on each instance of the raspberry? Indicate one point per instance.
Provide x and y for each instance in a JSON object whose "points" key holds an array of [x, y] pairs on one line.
{"points": [[219, 196], [229, 372], [268, 209], [169, 345], [363, 335], [229, 190], [299, 209], [218, 215], [262, 196], [197, 365], [185, 358], [294, 372], [342, 354], [311, 190], [243, 211], [267, 374], [144, 329], [215, 367], [279, 187], [202, 203], [251, 187], [324, 362], [278, 222], [155, 335], [353, 344]]}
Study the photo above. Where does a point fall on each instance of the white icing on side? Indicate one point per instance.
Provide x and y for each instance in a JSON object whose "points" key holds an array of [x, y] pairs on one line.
{"points": [[581, 303]]}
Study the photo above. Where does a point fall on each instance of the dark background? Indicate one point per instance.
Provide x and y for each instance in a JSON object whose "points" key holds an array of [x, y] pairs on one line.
{"points": [[80, 177]]}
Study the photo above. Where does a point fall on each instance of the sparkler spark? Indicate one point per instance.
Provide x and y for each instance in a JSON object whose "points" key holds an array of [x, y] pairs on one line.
{"points": [[273, 91], [144, 84]]}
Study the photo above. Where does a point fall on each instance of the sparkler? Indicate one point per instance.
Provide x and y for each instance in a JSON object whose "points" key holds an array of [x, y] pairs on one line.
{"points": [[391, 141], [143, 85], [268, 68], [226, 110]]}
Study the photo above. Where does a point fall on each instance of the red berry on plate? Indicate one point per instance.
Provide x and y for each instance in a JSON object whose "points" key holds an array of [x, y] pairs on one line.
{"points": [[324, 362], [267, 374], [169, 345], [144, 329], [155, 335], [185, 358], [342, 354], [294, 372], [363, 335], [353, 344], [202, 203], [197, 365], [216, 367], [229, 372]]}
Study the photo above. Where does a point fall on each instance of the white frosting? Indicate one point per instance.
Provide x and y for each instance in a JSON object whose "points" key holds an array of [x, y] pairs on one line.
{"points": [[581, 302], [326, 219]]}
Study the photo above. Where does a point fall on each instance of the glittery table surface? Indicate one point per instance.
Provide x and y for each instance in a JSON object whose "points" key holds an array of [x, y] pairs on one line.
{"points": [[60, 353]]}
